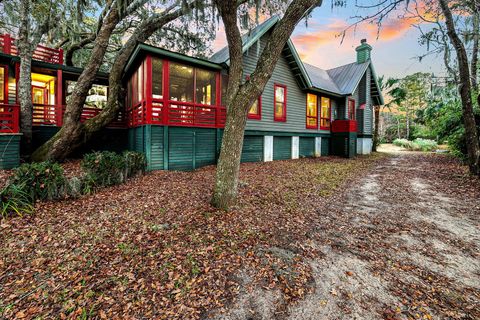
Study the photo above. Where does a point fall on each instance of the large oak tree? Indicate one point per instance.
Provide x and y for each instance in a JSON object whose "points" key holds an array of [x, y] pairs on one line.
{"points": [[241, 95]]}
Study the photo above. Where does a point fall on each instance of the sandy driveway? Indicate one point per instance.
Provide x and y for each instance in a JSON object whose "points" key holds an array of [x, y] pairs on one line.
{"points": [[402, 243]]}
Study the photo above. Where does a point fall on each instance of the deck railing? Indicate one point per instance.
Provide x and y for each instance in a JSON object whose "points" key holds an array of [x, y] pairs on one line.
{"points": [[9, 118], [176, 113], [41, 53], [344, 126]]}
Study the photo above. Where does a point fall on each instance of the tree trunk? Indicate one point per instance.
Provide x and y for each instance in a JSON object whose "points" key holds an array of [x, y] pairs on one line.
{"points": [[471, 134], [241, 96], [376, 140], [69, 139], [25, 52], [71, 133]]}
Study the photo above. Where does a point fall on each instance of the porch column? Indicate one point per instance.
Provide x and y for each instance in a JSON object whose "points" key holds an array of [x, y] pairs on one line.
{"points": [[318, 146], [267, 148], [59, 99], [295, 147]]}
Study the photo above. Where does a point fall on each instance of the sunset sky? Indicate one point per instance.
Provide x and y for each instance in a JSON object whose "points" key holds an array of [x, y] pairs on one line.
{"points": [[394, 52]]}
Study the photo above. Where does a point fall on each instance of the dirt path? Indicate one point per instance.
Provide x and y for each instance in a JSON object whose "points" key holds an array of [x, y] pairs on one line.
{"points": [[402, 243]]}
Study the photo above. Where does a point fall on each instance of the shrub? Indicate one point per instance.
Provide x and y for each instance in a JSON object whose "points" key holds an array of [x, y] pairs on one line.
{"points": [[14, 200], [135, 163], [417, 144], [104, 168], [108, 168], [41, 181]]}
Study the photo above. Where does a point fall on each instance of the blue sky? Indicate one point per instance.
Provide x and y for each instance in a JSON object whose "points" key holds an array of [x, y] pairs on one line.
{"points": [[394, 52]]}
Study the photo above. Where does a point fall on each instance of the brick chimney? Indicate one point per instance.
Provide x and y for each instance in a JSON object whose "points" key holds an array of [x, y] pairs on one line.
{"points": [[363, 51]]}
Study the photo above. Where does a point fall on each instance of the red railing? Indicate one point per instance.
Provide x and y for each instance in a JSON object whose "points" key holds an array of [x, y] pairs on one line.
{"points": [[177, 114], [41, 53], [9, 118], [344, 126], [52, 115]]}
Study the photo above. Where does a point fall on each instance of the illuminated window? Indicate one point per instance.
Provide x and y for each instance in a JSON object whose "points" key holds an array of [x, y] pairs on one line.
{"points": [[312, 114], [157, 80], [205, 87], [351, 109], [181, 82], [3, 81], [280, 102], [325, 113], [255, 111]]}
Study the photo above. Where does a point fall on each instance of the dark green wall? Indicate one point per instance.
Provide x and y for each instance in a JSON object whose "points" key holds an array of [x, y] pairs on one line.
{"points": [[9, 151], [306, 147], [325, 148], [252, 149], [282, 148]]}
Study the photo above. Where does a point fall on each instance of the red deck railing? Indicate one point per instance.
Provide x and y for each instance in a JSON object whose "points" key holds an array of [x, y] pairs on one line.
{"points": [[9, 118], [344, 126], [177, 114], [41, 53]]}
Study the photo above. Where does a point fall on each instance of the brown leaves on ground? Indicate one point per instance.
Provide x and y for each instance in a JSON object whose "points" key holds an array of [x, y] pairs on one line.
{"points": [[154, 247]]}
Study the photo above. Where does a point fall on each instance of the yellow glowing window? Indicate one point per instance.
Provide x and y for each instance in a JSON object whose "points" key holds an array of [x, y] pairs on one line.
{"points": [[280, 103], [312, 111], [255, 111], [325, 113], [2, 85]]}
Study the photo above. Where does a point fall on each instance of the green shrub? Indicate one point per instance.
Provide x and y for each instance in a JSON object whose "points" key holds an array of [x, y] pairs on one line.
{"points": [[104, 168], [417, 144], [424, 144], [41, 181], [14, 200], [135, 163]]}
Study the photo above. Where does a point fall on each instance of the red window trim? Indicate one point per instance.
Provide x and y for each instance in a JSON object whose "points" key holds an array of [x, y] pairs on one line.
{"points": [[284, 118], [353, 111], [5, 84], [256, 116], [310, 117], [329, 114]]}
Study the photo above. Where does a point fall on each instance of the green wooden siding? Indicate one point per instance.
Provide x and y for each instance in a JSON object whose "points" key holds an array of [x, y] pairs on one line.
{"points": [[325, 147], [191, 148], [156, 152], [252, 149], [9, 151], [282, 148], [344, 144], [306, 147]]}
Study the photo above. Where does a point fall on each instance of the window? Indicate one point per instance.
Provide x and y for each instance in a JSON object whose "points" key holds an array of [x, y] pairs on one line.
{"points": [[224, 89], [351, 109], [3, 82], [157, 80], [205, 87], [181, 82], [325, 113], [312, 114], [140, 82], [255, 111], [280, 102]]}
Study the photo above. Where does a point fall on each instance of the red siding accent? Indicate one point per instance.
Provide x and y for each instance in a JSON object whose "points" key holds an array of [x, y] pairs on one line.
{"points": [[5, 84], [344, 126], [148, 89], [59, 97]]}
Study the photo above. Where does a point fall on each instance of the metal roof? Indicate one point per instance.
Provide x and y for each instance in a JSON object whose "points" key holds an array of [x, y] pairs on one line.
{"points": [[223, 56], [347, 77], [321, 79]]}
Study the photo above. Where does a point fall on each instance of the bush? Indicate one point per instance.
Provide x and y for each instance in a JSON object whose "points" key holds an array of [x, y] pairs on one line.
{"points": [[417, 144], [135, 163], [108, 168], [104, 169], [41, 181], [14, 200]]}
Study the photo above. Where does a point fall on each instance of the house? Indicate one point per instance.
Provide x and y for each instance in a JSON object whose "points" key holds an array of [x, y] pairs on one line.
{"points": [[175, 110]]}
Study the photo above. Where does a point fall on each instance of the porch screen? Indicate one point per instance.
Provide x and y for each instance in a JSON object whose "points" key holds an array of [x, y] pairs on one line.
{"points": [[205, 87], [181, 82], [2, 85], [157, 78]]}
